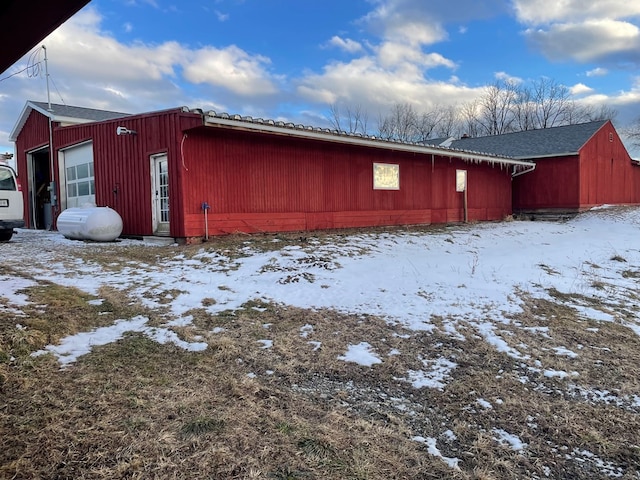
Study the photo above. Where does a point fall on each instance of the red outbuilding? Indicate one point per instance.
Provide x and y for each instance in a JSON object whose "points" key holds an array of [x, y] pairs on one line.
{"points": [[188, 174], [577, 167]]}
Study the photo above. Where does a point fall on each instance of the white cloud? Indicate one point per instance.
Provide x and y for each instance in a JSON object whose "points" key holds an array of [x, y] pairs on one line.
{"points": [[597, 72], [83, 51], [364, 81], [127, 27], [538, 12], [405, 21], [80, 48], [580, 89], [115, 92], [408, 57], [231, 68], [222, 17], [346, 44], [592, 40], [504, 76], [389, 17], [416, 32], [396, 68], [91, 68], [135, 3], [607, 31]]}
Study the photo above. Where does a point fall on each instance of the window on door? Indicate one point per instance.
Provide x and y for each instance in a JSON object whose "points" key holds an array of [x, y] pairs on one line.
{"points": [[80, 180]]}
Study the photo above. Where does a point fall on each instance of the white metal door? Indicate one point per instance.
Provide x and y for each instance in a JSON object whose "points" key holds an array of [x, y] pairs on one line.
{"points": [[160, 194], [79, 180]]}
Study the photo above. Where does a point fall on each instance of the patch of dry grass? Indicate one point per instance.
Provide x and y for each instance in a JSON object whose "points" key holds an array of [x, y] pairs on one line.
{"points": [[295, 410]]}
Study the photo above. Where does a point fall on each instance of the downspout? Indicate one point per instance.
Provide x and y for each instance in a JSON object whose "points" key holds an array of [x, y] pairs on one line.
{"points": [[522, 172]]}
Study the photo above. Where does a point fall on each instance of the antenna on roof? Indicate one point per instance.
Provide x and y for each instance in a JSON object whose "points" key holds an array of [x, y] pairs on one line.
{"points": [[46, 74]]}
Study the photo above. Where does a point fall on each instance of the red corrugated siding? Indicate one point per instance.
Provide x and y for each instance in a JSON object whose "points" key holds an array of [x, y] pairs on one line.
{"points": [[257, 182], [602, 173], [262, 182], [123, 162], [607, 175], [34, 135], [554, 184]]}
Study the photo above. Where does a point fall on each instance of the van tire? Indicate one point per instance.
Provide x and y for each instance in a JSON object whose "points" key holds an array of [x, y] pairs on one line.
{"points": [[5, 235]]}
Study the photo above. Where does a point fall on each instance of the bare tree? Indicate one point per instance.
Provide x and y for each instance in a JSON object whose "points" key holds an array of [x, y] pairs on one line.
{"points": [[440, 121], [524, 111], [590, 113], [552, 102], [449, 125], [426, 125], [401, 123], [468, 119], [503, 107], [404, 123], [350, 119], [633, 132], [506, 107], [496, 107]]}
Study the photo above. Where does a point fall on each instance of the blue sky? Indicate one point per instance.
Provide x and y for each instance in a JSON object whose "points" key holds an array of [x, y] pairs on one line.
{"points": [[287, 59]]}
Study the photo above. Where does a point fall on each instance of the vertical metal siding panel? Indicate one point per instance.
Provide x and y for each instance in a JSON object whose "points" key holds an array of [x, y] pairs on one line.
{"points": [[606, 171], [118, 160], [114, 165], [241, 174], [489, 191], [203, 180], [34, 134], [555, 183], [124, 161], [602, 173], [339, 187]]}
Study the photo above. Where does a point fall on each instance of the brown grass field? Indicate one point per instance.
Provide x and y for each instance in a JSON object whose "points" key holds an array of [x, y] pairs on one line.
{"points": [[138, 409]]}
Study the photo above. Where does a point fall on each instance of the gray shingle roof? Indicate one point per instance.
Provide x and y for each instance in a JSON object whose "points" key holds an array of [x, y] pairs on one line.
{"points": [[69, 111], [545, 142], [62, 113]]}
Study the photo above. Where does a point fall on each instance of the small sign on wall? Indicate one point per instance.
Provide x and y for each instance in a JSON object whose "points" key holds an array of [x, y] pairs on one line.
{"points": [[461, 180], [386, 176]]}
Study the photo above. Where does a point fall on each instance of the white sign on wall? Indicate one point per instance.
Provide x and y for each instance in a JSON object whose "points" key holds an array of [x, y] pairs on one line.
{"points": [[386, 176], [461, 180]]}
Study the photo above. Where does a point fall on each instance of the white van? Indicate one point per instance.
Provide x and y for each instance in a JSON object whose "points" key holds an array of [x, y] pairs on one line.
{"points": [[11, 203]]}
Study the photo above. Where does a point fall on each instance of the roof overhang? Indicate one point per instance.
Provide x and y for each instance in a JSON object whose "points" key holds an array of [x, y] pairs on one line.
{"points": [[326, 135], [26, 111], [25, 23], [551, 155]]}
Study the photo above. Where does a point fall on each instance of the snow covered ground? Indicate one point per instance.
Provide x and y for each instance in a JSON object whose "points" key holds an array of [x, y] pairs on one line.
{"points": [[471, 274], [463, 276]]}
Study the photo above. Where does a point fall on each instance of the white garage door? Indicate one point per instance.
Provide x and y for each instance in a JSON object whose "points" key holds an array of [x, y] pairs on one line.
{"points": [[80, 186]]}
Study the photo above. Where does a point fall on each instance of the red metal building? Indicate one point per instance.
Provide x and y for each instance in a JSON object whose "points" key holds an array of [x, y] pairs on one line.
{"points": [[577, 167], [186, 174]]}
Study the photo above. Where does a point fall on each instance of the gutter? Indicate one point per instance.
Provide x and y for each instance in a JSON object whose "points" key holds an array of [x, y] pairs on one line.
{"points": [[522, 172], [211, 119], [553, 155]]}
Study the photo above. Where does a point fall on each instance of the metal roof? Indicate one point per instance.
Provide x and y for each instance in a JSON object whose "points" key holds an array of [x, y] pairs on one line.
{"points": [[213, 119], [63, 114], [545, 142]]}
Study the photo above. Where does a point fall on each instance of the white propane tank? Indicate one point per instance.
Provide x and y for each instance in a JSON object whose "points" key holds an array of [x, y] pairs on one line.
{"points": [[100, 224]]}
